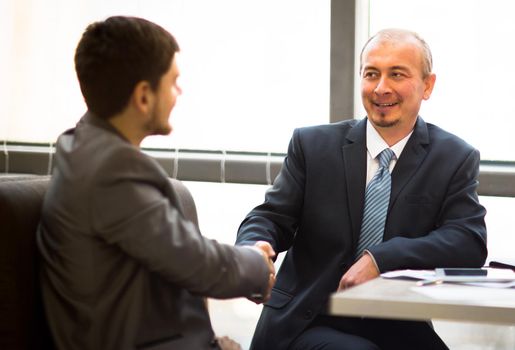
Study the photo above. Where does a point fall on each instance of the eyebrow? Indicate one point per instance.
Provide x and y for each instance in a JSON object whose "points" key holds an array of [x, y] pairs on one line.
{"points": [[392, 68], [403, 68]]}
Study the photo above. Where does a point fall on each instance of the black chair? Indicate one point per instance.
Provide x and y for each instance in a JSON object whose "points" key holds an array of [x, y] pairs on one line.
{"points": [[22, 318]]}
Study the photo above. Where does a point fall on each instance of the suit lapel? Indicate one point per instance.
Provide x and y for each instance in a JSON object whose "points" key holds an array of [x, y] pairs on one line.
{"points": [[411, 157], [355, 165]]}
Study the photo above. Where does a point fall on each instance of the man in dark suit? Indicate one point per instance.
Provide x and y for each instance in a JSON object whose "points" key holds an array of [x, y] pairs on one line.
{"points": [[123, 268], [315, 209]]}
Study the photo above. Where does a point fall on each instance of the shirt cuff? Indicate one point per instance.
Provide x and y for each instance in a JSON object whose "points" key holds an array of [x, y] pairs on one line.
{"points": [[373, 259]]}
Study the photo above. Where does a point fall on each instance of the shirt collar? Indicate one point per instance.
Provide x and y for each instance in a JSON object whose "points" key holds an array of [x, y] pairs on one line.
{"points": [[376, 144]]}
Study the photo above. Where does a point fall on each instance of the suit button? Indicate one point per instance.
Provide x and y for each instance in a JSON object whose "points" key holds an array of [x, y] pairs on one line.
{"points": [[308, 314]]}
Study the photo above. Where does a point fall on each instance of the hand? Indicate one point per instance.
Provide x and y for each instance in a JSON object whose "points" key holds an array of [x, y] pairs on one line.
{"points": [[226, 343], [268, 254], [266, 248], [363, 270]]}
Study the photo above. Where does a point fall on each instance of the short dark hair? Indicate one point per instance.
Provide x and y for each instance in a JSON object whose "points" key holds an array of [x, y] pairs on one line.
{"points": [[114, 55]]}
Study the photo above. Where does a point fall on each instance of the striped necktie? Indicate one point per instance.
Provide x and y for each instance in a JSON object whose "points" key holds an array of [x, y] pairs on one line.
{"points": [[377, 198]]}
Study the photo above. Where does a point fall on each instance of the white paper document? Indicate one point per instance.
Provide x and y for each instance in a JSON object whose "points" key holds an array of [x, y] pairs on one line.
{"points": [[410, 274], [485, 277]]}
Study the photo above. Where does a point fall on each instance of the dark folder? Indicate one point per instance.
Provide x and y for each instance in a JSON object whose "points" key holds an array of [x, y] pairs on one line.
{"points": [[503, 264]]}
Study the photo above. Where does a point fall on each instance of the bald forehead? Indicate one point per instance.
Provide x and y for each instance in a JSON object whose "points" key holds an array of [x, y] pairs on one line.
{"points": [[397, 38], [393, 39]]}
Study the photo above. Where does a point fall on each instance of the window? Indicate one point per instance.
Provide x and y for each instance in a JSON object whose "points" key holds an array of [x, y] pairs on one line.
{"points": [[251, 70], [472, 45]]}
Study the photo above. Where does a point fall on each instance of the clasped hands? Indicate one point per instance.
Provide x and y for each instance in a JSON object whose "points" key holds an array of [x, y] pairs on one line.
{"points": [[268, 254]]}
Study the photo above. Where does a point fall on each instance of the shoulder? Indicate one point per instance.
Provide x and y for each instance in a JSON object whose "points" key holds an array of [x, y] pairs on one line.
{"points": [[331, 127], [336, 130], [446, 140], [98, 153], [327, 139], [448, 149]]}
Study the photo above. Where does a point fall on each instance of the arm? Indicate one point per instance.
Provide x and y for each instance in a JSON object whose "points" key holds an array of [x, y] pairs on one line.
{"points": [[458, 238], [276, 220], [129, 210]]}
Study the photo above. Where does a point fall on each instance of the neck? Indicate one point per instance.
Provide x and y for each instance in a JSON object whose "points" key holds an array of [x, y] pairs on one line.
{"points": [[128, 128], [393, 134]]}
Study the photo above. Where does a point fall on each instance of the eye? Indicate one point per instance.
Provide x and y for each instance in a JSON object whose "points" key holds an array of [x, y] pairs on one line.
{"points": [[397, 75], [370, 75]]}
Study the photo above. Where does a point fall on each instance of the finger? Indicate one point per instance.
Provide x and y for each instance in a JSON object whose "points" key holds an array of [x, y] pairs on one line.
{"points": [[341, 286], [344, 283], [271, 266], [271, 282], [266, 248]]}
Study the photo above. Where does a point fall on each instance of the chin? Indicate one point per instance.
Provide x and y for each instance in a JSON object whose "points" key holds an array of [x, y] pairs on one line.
{"points": [[162, 131], [384, 122], [165, 131]]}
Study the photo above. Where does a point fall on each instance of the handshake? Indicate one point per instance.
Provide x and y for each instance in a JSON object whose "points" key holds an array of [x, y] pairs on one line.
{"points": [[268, 253]]}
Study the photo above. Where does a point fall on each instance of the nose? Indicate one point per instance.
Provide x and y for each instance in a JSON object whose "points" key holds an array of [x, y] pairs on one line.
{"points": [[383, 86]]}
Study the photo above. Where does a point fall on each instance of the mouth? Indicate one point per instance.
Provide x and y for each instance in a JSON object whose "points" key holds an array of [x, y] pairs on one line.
{"points": [[383, 105]]}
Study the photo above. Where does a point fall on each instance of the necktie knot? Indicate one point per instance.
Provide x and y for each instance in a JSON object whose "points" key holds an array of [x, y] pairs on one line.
{"points": [[385, 157]]}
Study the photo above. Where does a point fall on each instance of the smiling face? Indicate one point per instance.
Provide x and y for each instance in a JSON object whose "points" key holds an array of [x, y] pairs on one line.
{"points": [[393, 85]]}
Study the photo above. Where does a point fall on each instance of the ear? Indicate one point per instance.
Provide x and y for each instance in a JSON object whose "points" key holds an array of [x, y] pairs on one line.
{"points": [[429, 83], [142, 97]]}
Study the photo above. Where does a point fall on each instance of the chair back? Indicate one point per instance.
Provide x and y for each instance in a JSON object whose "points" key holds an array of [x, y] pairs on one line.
{"points": [[23, 324], [22, 318]]}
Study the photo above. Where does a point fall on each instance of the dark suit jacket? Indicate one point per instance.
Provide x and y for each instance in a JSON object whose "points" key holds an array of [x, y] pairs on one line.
{"points": [[315, 207], [122, 267]]}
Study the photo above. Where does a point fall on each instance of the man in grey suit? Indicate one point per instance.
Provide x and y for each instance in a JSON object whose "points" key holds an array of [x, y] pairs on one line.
{"points": [[315, 209], [122, 267]]}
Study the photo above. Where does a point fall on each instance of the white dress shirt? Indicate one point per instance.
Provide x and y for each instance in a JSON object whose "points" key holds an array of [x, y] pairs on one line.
{"points": [[375, 145]]}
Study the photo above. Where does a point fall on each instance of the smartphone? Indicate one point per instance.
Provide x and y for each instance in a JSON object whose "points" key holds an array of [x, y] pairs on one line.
{"points": [[484, 274], [461, 272]]}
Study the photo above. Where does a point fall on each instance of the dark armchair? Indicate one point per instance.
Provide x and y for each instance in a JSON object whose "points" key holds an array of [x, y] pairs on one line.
{"points": [[22, 319]]}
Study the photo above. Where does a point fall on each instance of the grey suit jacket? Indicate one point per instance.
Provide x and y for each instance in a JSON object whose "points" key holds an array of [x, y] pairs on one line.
{"points": [[315, 207], [122, 267]]}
